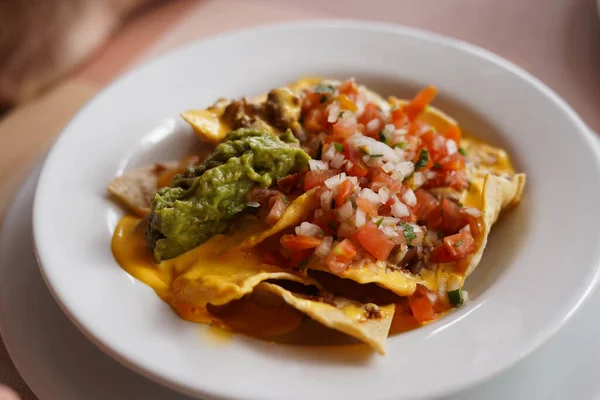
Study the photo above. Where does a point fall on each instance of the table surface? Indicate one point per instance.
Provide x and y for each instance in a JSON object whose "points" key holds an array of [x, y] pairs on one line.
{"points": [[557, 41]]}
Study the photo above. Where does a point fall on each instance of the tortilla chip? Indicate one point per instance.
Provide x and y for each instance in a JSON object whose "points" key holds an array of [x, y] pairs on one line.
{"points": [[403, 283], [135, 188], [347, 316], [497, 194], [219, 278], [207, 123], [296, 213]]}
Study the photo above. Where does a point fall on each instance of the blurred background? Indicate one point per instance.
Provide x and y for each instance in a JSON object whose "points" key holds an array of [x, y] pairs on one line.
{"points": [[57, 54]]}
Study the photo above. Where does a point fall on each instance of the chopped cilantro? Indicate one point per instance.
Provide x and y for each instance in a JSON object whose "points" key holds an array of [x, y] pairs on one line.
{"points": [[375, 155], [338, 147], [382, 138], [324, 88], [462, 151], [319, 151], [460, 204], [341, 114], [433, 129], [401, 145], [460, 242], [437, 166], [332, 225], [323, 99], [409, 232], [378, 223], [285, 200], [423, 160]]}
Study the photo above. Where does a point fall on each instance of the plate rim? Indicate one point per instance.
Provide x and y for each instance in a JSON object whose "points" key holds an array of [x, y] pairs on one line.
{"points": [[533, 343]]}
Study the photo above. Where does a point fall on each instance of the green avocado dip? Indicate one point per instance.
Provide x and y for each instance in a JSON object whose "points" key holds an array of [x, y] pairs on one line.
{"points": [[201, 203]]}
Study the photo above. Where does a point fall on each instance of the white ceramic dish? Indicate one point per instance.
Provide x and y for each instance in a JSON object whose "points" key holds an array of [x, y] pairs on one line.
{"points": [[541, 262], [59, 363]]}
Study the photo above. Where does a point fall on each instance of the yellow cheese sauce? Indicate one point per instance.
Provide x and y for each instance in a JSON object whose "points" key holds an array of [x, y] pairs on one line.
{"points": [[225, 281]]}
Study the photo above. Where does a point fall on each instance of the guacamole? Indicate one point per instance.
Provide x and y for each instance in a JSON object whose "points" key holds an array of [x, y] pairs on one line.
{"points": [[201, 203]]}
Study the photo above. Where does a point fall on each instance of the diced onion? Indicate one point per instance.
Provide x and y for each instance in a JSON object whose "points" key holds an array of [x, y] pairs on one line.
{"points": [[451, 147], [409, 198], [308, 229], [405, 167], [388, 167], [345, 211], [430, 175], [329, 153], [472, 211], [384, 194], [360, 218], [338, 160], [319, 213], [324, 248], [326, 198], [334, 112], [335, 180], [377, 147], [254, 204], [418, 179], [399, 209], [318, 165], [373, 125], [370, 196]]}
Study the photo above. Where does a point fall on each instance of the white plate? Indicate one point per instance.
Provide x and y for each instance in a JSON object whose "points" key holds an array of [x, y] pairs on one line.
{"points": [[541, 263], [59, 363]]}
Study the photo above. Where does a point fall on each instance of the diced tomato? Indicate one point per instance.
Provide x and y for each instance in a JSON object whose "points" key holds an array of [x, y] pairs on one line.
{"points": [[275, 258], [327, 222], [299, 242], [419, 102], [457, 180], [426, 202], [394, 185], [349, 88], [399, 118], [317, 178], [298, 257], [366, 206], [415, 127], [339, 258], [311, 100], [434, 219], [345, 189], [440, 255], [453, 132], [454, 162], [421, 305], [453, 218], [373, 240], [343, 129], [370, 112], [473, 224], [459, 245], [359, 169], [315, 120]]}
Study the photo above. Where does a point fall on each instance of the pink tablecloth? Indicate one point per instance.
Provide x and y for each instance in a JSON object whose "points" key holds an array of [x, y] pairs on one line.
{"points": [[558, 41]]}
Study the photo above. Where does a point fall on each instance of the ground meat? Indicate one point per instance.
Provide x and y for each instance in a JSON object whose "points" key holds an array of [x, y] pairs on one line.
{"points": [[282, 110], [241, 114], [412, 258], [372, 311]]}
